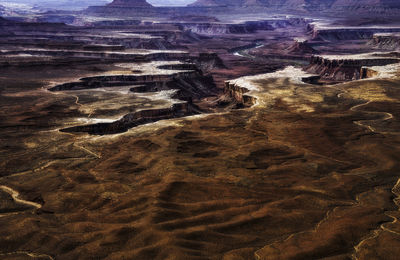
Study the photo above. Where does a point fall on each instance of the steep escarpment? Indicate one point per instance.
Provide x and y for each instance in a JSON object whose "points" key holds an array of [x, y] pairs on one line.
{"points": [[338, 8], [130, 3], [335, 6], [347, 33], [238, 94], [181, 85], [135, 119], [216, 3], [218, 28], [209, 61], [192, 83], [386, 41], [188, 88], [248, 27], [244, 27], [346, 68], [366, 5], [301, 47]]}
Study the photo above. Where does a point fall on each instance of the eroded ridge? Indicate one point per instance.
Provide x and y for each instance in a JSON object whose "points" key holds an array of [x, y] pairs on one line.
{"points": [[185, 80], [200, 132]]}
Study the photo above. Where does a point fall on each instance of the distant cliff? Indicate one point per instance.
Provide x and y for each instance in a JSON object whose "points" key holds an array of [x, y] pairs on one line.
{"points": [[130, 3], [352, 9], [307, 5]]}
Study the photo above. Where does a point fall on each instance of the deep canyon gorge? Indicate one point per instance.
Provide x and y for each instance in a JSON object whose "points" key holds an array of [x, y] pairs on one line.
{"points": [[226, 130]]}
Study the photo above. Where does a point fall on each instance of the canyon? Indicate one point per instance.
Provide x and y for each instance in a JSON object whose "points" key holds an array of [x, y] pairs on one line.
{"points": [[220, 130], [337, 8]]}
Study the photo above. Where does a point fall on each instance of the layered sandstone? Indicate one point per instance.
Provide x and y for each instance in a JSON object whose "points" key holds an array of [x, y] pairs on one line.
{"points": [[386, 41], [346, 68], [134, 119], [301, 47], [340, 33], [238, 94]]}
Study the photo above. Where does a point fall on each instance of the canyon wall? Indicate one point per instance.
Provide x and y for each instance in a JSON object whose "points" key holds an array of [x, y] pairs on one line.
{"points": [[337, 7], [130, 3], [347, 33], [386, 41], [342, 68], [332, 6], [238, 95]]}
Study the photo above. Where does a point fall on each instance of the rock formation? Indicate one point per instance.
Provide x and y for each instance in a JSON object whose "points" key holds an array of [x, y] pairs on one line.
{"points": [[301, 47], [306, 5], [306, 172], [218, 3], [134, 119], [339, 8], [130, 3], [238, 94], [386, 41], [347, 33], [346, 68]]}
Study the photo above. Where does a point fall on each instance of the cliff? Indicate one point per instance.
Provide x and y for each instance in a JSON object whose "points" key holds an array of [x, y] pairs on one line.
{"points": [[130, 3], [301, 47], [335, 6], [238, 95], [134, 119], [386, 41], [346, 68], [338, 8], [304, 4], [217, 3], [347, 33]]}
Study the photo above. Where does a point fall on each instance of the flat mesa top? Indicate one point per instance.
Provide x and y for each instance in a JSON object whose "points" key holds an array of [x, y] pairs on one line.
{"points": [[397, 35], [364, 56]]}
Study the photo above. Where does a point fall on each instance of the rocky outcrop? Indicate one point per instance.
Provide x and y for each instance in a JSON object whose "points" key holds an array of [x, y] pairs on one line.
{"points": [[217, 3], [343, 8], [342, 68], [349, 33], [242, 28], [366, 73], [301, 47], [306, 5], [134, 119], [238, 95], [220, 28], [386, 41], [193, 18], [130, 3], [208, 61], [216, 28], [377, 6], [192, 84]]}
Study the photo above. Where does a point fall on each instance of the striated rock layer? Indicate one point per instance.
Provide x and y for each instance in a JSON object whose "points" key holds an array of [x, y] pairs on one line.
{"points": [[346, 68], [386, 41], [130, 3], [338, 7]]}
